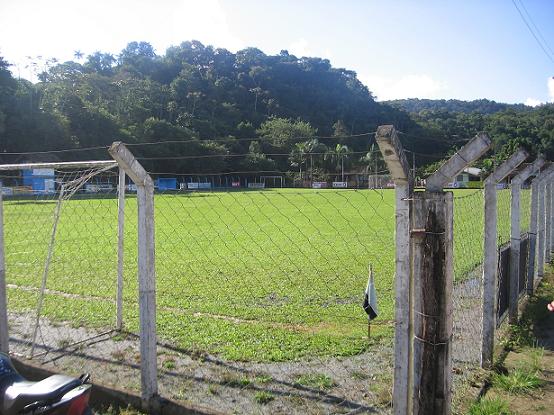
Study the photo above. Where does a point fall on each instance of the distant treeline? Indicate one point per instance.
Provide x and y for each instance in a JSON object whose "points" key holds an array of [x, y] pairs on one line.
{"points": [[244, 111]]}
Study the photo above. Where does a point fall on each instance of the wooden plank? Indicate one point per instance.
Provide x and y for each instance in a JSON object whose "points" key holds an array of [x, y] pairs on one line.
{"points": [[60, 165], [432, 218], [470, 152], [4, 329], [120, 248]]}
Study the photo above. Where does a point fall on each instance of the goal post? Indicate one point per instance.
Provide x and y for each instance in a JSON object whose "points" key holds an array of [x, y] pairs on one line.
{"points": [[44, 184]]}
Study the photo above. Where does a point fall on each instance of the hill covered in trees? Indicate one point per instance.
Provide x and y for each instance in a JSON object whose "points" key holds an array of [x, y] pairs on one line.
{"points": [[247, 111], [482, 106]]}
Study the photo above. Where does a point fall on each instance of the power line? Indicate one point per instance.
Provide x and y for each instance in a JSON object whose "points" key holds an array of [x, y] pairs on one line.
{"points": [[234, 140], [231, 155], [536, 28], [532, 32]]}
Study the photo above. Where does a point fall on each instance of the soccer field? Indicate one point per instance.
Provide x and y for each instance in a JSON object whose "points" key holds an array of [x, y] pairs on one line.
{"points": [[254, 275]]}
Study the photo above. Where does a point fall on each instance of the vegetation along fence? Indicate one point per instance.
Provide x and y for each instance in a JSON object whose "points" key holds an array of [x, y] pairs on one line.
{"points": [[264, 292]]}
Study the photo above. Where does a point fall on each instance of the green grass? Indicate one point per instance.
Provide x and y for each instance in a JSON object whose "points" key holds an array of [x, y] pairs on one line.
{"points": [[265, 276], [263, 397], [518, 381], [490, 406], [316, 381]]}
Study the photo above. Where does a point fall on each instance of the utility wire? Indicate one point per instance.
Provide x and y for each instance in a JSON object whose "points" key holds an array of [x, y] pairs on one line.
{"points": [[550, 56], [536, 28], [234, 140]]}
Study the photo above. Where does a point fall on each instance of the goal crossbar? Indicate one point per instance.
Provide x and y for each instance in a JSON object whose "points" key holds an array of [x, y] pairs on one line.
{"points": [[60, 165]]}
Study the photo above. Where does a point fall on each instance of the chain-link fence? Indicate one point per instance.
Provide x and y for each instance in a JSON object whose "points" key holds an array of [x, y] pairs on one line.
{"points": [[61, 250], [468, 278], [260, 294], [259, 287]]}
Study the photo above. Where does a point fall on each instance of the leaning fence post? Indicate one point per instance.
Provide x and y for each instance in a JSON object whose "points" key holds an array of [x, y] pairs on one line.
{"points": [[397, 164], [490, 255], [433, 275], [4, 331], [146, 270], [515, 236]]}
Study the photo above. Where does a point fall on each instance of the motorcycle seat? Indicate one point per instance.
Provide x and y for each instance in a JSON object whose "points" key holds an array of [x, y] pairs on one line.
{"points": [[20, 394]]}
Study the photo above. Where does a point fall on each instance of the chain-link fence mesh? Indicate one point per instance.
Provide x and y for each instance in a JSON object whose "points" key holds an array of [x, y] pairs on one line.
{"points": [[259, 291], [467, 295], [260, 295], [503, 223], [60, 229]]}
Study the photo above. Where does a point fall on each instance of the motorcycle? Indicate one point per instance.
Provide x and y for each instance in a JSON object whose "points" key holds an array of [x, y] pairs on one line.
{"points": [[55, 395]]}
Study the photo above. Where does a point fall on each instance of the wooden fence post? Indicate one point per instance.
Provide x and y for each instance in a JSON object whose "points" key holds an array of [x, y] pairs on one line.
{"points": [[146, 270], [490, 255], [515, 236], [397, 164], [433, 274], [4, 330]]}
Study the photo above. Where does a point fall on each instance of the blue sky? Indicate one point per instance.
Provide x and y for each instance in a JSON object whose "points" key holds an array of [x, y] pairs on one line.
{"points": [[400, 49]]}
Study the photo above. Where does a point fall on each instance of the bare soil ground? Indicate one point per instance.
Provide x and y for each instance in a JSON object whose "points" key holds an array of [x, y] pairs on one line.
{"points": [[356, 384]]}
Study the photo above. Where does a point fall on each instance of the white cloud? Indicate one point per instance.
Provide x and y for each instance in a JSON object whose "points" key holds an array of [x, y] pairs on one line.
{"points": [[550, 85], [301, 47], [408, 86], [532, 102]]}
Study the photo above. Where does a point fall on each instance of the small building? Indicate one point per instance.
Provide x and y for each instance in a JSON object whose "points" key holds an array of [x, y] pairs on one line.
{"points": [[40, 180], [469, 177], [168, 183]]}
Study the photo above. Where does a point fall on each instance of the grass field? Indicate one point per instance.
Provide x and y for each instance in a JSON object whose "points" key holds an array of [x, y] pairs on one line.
{"points": [[266, 276]]}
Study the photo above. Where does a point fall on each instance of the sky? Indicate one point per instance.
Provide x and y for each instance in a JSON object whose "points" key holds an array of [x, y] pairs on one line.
{"points": [[462, 49]]}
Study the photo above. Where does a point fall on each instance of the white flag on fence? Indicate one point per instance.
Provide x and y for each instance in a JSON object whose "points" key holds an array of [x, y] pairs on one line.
{"points": [[370, 297]]}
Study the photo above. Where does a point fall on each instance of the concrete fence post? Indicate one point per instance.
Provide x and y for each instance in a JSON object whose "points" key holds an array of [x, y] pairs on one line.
{"points": [[146, 271], [535, 228], [393, 154], [490, 255], [515, 236], [547, 220], [4, 330]]}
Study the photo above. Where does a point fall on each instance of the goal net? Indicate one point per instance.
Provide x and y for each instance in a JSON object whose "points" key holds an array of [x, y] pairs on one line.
{"points": [[61, 252]]}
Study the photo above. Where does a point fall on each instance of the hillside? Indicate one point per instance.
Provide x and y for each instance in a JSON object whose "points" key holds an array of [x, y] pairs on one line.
{"points": [[248, 111], [482, 106]]}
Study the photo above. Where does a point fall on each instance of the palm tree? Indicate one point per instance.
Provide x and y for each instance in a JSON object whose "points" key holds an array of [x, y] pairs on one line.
{"points": [[337, 155]]}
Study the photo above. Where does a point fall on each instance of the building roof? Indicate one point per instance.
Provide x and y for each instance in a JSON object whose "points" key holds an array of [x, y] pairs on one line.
{"points": [[473, 171]]}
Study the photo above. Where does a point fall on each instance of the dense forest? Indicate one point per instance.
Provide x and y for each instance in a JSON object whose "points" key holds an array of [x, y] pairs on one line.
{"points": [[238, 112]]}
